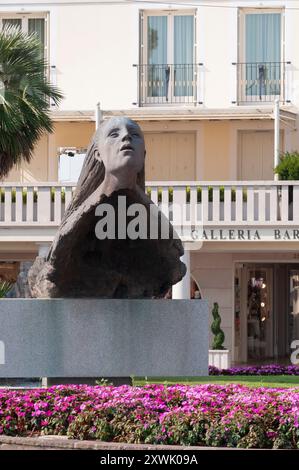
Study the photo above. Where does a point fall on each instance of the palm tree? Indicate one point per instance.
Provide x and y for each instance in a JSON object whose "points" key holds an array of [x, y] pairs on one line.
{"points": [[25, 93], [5, 286]]}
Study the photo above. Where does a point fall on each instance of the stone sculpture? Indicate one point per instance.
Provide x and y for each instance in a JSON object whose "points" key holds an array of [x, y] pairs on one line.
{"points": [[81, 265]]}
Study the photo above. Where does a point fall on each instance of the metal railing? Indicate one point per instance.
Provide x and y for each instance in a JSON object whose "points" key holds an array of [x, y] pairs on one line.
{"points": [[261, 81], [167, 84]]}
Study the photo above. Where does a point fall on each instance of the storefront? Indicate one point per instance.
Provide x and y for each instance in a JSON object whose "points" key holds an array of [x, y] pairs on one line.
{"points": [[258, 296], [266, 310]]}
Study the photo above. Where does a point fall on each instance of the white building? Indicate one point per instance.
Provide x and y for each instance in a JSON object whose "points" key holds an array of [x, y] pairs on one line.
{"points": [[201, 78]]}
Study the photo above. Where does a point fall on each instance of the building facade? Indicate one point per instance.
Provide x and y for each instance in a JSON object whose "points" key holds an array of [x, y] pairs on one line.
{"points": [[201, 79]]}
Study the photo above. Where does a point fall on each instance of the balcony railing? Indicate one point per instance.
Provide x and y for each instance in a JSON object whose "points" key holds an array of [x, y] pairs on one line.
{"points": [[31, 212], [161, 84], [260, 82]]}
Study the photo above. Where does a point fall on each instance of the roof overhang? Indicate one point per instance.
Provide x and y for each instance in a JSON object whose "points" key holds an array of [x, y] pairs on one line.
{"points": [[72, 116], [199, 114], [287, 114]]}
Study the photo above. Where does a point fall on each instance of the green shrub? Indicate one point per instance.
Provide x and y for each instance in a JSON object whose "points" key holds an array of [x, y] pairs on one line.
{"points": [[288, 167], [199, 194], [24, 195]]}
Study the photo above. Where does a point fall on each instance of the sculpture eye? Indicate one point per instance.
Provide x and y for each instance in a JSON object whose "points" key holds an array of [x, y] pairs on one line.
{"points": [[113, 134]]}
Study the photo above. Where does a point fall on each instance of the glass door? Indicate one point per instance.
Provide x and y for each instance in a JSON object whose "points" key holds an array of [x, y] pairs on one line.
{"points": [[259, 313], [293, 317], [168, 72], [261, 69], [183, 60], [157, 69]]}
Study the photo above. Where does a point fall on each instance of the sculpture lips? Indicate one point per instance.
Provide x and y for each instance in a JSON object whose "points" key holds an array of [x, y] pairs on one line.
{"points": [[127, 147]]}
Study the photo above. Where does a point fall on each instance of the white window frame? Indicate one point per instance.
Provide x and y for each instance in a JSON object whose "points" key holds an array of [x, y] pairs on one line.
{"points": [[242, 50], [25, 17], [170, 46]]}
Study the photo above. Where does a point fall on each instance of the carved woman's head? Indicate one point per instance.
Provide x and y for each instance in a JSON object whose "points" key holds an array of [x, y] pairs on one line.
{"points": [[121, 146], [117, 148]]}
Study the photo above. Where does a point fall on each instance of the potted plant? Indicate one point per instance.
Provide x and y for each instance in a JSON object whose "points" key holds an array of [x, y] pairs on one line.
{"points": [[219, 356]]}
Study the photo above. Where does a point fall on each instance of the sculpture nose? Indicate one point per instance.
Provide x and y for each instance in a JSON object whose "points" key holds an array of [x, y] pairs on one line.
{"points": [[126, 136]]}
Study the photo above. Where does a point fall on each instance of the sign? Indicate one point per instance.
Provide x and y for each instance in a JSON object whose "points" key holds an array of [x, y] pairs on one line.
{"points": [[241, 234]]}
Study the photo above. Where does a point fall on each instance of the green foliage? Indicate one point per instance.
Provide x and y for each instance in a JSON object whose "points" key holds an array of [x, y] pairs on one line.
{"points": [[4, 288], [24, 98], [199, 194], [216, 330], [24, 195], [207, 415], [288, 167], [103, 382]]}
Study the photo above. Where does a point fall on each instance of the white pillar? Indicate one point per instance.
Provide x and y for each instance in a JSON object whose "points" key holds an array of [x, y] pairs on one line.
{"points": [[276, 135], [43, 249], [181, 290], [98, 115]]}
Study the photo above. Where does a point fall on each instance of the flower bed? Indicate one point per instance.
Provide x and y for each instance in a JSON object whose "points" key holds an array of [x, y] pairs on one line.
{"points": [[271, 369], [211, 415]]}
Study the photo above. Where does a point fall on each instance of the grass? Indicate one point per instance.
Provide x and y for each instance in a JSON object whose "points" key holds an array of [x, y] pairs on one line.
{"points": [[251, 381]]}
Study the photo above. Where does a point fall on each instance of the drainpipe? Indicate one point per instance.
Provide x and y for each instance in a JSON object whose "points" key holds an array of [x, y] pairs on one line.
{"points": [[276, 136]]}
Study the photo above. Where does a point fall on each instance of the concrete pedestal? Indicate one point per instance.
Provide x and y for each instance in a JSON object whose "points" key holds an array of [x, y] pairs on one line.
{"points": [[103, 338]]}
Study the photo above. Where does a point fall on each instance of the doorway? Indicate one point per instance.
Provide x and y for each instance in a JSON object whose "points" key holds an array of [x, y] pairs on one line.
{"points": [[170, 156], [256, 150], [266, 311]]}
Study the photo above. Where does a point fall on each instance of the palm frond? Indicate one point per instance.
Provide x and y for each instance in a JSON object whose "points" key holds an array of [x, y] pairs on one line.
{"points": [[5, 287], [24, 104]]}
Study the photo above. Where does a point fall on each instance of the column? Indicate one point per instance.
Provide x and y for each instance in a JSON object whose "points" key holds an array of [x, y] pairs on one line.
{"points": [[181, 290]]}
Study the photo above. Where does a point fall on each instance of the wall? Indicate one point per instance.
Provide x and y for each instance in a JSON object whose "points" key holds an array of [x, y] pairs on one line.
{"points": [[94, 46], [215, 158], [44, 164]]}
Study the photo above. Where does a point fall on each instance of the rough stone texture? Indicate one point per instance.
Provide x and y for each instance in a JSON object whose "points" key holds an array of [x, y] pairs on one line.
{"points": [[79, 264], [104, 338]]}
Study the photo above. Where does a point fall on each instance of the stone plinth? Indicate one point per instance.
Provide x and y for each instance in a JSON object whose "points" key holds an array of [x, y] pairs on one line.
{"points": [[103, 338]]}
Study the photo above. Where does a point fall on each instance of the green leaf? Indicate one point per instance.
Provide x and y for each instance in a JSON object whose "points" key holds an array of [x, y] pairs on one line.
{"points": [[24, 101]]}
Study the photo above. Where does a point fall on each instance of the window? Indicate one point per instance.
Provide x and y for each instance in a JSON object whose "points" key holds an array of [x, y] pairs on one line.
{"points": [[261, 54], [168, 73], [29, 23]]}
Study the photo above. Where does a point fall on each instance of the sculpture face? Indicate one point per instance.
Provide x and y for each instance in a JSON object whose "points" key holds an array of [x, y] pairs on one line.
{"points": [[121, 146]]}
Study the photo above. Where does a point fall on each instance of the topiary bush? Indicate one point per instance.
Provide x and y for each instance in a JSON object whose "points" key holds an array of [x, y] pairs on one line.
{"points": [[219, 336]]}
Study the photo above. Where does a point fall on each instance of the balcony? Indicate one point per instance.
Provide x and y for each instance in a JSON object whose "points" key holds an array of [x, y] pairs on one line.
{"points": [[222, 209], [167, 84], [261, 82]]}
